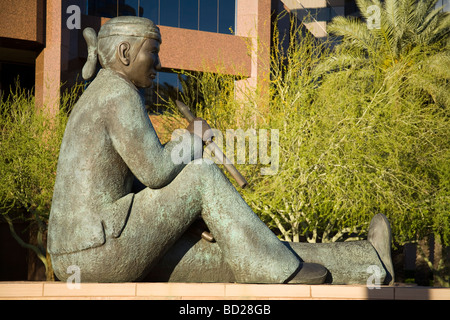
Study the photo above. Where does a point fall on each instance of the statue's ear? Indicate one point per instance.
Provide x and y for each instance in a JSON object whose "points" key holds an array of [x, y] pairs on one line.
{"points": [[123, 52]]}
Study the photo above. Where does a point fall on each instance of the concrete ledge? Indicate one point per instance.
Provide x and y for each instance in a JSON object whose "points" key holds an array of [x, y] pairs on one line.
{"points": [[213, 291]]}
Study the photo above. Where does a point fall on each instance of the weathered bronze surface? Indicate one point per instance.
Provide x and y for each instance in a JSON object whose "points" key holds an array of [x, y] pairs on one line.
{"points": [[115, 233]]}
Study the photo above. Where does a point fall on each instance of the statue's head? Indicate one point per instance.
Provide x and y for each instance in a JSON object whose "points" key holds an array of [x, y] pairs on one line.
{"points": [[128, 45]]}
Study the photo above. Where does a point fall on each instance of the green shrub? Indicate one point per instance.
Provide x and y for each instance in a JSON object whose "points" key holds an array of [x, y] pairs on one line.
{"points": [[353, 142], [29, 147]]}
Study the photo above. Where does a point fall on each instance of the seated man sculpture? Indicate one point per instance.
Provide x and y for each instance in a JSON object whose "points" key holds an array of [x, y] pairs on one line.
{"points": [[114, 234]]}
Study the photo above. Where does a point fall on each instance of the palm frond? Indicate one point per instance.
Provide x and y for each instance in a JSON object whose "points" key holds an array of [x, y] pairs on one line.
{"points": [[353, 31], [392, 12], [338, 63], [364, 6]]}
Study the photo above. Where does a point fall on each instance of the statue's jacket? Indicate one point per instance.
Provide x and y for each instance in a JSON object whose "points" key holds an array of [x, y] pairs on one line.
{"points": [[108, 141]]}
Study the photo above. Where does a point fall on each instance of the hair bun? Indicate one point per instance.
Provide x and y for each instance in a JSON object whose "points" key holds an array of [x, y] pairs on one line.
{"points": [[91, 64]]}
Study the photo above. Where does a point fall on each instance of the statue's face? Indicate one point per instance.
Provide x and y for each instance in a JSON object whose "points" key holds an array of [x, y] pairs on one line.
{"points": [[143, 69]]}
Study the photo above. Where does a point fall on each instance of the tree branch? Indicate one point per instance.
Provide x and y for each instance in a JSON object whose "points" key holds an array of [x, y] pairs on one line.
{"points": [[25, 245]]}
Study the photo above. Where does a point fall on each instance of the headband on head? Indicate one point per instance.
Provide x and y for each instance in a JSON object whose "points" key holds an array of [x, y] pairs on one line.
{"points": [[130, 26], [127, 26]]}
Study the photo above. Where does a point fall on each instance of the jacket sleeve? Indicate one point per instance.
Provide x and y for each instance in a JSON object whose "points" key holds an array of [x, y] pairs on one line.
{"points": [[136, 141]]}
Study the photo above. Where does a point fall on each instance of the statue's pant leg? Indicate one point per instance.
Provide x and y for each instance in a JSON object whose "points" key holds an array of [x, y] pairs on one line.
{"points": [[192, 259], [158, 218], [253, 252]]}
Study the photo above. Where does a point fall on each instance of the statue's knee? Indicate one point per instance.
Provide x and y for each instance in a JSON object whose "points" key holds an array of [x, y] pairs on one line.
{"points": [[203, 169]]}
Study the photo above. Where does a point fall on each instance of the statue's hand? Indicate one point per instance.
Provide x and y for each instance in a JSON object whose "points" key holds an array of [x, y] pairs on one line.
{"points": [[201, 128]]}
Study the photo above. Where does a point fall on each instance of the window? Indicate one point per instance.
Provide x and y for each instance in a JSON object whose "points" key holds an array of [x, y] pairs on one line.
{"points": [[102, 8], [150, 10], [167, 86], [205, 15], [128, 7], [189, 14], [227, 13], [208, 15], [169, 12]]}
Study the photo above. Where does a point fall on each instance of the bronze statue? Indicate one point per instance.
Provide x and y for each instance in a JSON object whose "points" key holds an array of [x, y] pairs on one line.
{"points": [[115, 234]]}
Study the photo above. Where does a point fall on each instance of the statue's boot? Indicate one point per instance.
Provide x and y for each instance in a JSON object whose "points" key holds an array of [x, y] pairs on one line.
{"points": [[380, 237], [309, 273], [350, 262]]}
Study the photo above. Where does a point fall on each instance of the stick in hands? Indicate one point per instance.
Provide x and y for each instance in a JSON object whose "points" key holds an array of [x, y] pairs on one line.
{"points": [[207, 138]]}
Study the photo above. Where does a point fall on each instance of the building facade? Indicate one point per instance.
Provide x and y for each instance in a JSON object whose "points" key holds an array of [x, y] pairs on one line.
{"points": [[41, 41]]}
